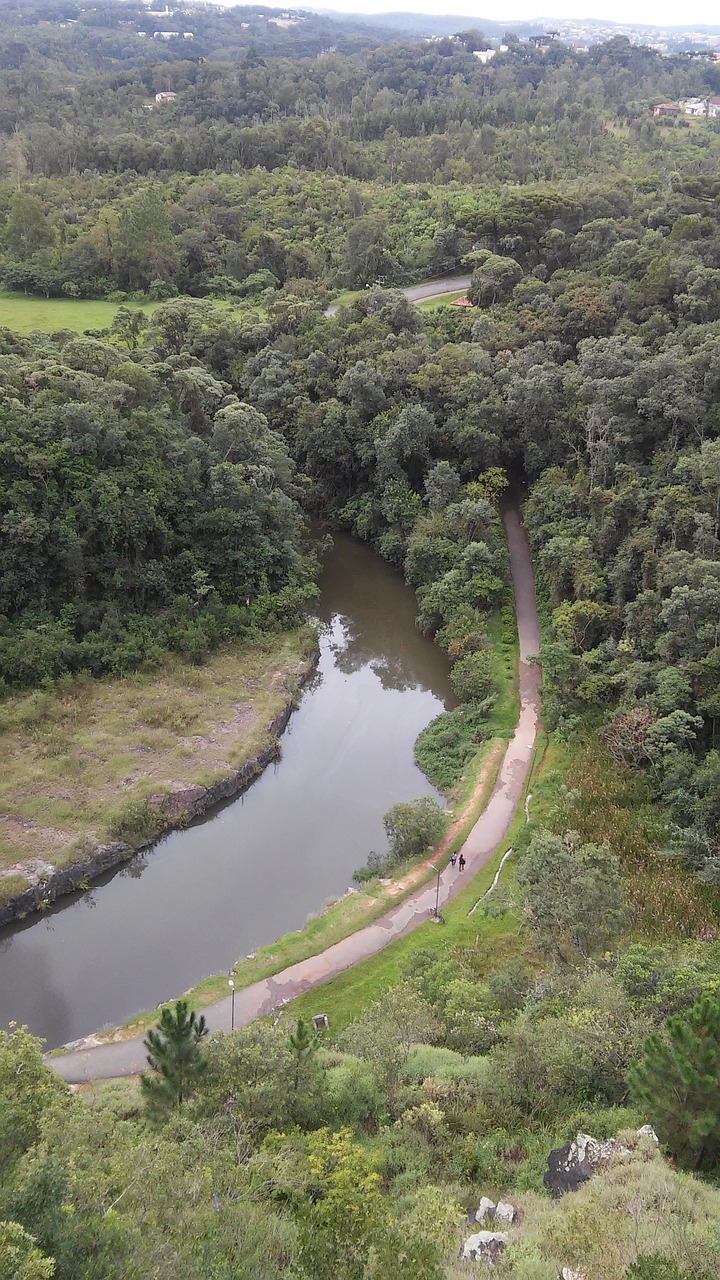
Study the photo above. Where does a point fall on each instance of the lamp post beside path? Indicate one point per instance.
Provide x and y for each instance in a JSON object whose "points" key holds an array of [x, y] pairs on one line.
{"points": [[231, 985], [436, 913]]}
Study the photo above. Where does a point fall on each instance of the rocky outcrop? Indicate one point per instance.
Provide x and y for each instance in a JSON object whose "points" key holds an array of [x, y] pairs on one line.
{"points": [[175, 809], [484, 1246], [572, 1165], [575, 1163], [488, 1210]]}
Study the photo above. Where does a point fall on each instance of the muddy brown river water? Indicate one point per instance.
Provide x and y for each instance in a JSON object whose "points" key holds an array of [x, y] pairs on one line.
{"points": [[263, 863]]}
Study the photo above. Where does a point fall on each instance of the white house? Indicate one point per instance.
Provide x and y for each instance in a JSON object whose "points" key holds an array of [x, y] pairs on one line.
{"points": [[714, 108], [165, 97], [484, 55], [166, 35], [696, 107]]}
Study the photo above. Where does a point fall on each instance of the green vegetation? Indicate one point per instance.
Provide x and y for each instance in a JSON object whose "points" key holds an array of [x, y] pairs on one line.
{"points": [[443, 749], [175, 1058], [24, 313], [676, 1079], [158, 477]]}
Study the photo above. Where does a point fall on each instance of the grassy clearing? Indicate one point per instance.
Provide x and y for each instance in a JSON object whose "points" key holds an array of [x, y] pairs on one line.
{"points": [[603, 804], [345, 298], [76, 759], [24, 313], [444, 300]]}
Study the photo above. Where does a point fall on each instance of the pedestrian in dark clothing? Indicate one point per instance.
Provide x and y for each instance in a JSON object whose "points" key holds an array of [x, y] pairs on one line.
{"points": [[461, 862], [453, 859]]}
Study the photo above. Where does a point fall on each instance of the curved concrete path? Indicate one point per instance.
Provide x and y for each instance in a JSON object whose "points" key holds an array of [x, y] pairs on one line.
{"points": [[124, 1058], [424, 292]]}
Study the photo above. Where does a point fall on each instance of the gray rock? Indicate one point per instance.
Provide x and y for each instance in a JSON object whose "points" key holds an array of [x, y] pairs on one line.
{"points": [[484, 1246], [572, 1165], [647, 1131], [570, 1273], [486, 1209], [505, 1212]]}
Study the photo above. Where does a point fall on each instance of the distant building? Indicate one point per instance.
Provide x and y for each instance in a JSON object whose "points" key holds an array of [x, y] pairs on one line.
{"points": [[714, 108], [484, 55], [188, 35], [696, 107], [165, 97], [666, 109], [166, 35]]}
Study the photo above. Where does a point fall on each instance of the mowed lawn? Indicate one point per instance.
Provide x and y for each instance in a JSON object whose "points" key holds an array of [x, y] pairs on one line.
{"points": [[24, 313]]}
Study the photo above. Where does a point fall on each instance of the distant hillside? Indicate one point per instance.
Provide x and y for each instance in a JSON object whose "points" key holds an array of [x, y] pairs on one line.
{"points": [[423, 24], [589, 29]]}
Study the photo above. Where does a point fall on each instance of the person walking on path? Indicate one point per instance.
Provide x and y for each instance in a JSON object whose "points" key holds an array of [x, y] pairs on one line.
{"points": [[453, 859], [461, 862]]}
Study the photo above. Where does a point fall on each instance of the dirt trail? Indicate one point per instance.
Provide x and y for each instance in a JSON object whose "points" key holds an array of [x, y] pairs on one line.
{"points": [[125, 1058]]}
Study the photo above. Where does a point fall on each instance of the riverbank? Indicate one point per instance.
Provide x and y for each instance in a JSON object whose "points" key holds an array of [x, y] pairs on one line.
{"points": [[357, 909], [483, 844], [170, 744]]}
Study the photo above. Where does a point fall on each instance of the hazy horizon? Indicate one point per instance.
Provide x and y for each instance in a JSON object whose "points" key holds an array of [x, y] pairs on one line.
{"points": [[662, 13]]}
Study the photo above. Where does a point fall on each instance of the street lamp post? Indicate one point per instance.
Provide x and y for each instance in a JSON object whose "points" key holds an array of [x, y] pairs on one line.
{"points": [[231, 985], [436, 913]]}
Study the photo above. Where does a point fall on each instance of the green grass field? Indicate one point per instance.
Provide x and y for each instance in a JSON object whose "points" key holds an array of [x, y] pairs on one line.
{"points": [[432, 304], [23, 314]]}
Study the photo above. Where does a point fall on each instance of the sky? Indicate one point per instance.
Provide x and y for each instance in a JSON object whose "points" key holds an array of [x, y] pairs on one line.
{"points": [[657, 13]]}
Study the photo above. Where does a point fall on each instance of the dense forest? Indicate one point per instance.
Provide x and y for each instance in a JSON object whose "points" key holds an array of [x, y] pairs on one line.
{"points": [[158, 479]]}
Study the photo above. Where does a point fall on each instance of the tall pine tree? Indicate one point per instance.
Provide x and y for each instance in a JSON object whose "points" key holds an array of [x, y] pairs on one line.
{"points": [[175, 1054], [677, 1080]]}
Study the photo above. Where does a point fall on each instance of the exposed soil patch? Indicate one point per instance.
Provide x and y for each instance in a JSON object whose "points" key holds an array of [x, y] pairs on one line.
{"points": [[73, 759]]}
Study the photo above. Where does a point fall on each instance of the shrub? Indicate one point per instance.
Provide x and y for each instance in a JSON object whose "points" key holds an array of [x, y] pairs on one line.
{"points": [[472, 677], [450, 740], [135, 822], [414, 827]]}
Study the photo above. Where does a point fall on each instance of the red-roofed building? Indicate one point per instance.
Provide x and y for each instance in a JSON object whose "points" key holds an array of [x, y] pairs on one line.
{"points": [[666, 109]]}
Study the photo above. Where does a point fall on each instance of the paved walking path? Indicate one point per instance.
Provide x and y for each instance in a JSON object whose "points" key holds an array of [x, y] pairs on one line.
{"points": [[124, 1058], [424, 292]]}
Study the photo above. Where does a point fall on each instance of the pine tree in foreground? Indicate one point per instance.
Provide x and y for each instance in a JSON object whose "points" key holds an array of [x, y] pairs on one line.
{"points": [[677, 1080], [304, 1044], [175, 1054]]}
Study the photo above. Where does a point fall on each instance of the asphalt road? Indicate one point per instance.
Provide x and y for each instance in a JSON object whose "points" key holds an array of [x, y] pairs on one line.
{"points": [[430, 289], [124, 1058]]}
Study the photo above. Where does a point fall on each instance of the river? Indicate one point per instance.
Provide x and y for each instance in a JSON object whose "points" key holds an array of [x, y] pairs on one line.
{"points": [[262, 864]]}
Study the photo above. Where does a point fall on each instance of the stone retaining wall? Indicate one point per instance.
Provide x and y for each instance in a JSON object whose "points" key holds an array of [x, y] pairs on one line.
{"points": [[177, 809]]}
